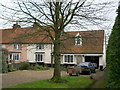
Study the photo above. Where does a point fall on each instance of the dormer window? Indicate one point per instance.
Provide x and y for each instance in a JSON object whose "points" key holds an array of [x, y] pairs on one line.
{"points": [[39, 46], [17, 46], [78, 40]]}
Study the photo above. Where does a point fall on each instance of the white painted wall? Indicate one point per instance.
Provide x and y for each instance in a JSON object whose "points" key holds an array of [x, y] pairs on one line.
{"points": [[102, 61], [104, 52], [31, 50]]}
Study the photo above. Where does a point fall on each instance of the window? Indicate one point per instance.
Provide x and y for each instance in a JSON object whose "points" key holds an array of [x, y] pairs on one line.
{"points": [[14, 56], [39, 57], [69, 58], [39, 46], [17, 46], [78, 40]]}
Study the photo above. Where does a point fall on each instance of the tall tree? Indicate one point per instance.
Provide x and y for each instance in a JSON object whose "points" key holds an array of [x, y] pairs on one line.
{"points": [[113, 54], [57, 14]]}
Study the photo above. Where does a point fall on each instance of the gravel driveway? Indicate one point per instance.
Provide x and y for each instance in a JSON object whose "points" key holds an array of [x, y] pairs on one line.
{"points": [[23, 76]]}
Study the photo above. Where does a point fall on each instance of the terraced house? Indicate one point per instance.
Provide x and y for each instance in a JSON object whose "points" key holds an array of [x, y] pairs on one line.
{"points": [[31, 44]]}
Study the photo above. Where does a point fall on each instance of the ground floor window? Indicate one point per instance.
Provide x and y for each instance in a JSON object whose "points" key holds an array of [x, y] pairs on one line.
{"points": [[14, 56], [39, 57], [68, 58]]}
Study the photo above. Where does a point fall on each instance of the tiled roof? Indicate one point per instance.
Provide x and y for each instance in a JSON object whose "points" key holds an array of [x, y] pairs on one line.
{"points": [[25, 35], [92, 41]]}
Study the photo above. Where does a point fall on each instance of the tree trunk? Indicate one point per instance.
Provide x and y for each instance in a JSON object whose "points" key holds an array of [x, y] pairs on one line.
{"points": [[56, 54]]}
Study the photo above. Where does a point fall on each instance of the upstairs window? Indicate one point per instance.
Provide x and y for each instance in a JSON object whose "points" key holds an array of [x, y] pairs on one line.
{"points": [[78, 40], [39, 46], [17, 46]]}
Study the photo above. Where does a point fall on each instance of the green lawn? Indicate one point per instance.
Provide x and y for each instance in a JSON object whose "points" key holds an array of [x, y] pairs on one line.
{"points": [[72, 82]]}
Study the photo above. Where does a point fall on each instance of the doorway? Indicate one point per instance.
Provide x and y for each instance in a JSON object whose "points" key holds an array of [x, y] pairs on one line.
{"points": [[92, 59]]}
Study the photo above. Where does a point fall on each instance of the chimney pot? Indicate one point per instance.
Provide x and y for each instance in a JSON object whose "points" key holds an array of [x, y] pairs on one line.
{"points": [[16, 26]]}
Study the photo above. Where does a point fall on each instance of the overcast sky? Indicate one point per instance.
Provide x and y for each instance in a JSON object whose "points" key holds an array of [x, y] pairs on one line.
{"points": [[111, 15]]}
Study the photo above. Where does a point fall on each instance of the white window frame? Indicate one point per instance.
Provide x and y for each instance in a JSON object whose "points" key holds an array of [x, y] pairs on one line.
{"points": [[69, 57], [14, 56], [39, 46], [38, 57], [78, 36], [17, 46]]}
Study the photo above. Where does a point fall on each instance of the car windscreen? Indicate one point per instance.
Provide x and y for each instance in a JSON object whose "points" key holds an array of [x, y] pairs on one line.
{"points": [[83, 64]]}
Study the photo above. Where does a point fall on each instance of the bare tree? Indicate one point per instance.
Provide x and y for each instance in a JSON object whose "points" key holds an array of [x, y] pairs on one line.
{"points": [[57, 14]]}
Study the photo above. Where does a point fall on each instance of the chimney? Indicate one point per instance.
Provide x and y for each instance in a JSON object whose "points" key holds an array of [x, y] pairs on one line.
{"points": [[15, 26]]}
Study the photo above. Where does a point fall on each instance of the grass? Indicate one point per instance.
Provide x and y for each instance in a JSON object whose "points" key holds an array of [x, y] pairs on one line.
{"points": [[72, 82]]}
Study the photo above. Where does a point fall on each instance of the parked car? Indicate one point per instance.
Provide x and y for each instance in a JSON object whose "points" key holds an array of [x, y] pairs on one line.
{"points": [[87, 66], [95, 64], [80, 68]]}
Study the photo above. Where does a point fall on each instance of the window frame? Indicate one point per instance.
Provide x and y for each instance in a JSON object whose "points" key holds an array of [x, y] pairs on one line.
{"points": [[69, 59], [17, 46], [78, 36], [14, 56], [42, 55], [40, 46]]}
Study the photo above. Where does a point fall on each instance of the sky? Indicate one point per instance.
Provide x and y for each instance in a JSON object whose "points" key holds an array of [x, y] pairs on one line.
{"points": [[107, 26]]}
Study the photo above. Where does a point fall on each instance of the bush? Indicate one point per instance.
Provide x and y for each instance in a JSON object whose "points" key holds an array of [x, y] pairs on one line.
{"points": [[24, 66], [39, 67], [113, 55], [11, 69], [3, 60], [63, 68]]}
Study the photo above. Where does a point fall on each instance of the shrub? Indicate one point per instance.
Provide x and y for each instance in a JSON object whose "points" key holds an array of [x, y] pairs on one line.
{"points": [[11, 69], [24, 66], [113, 55], [3, 60], [63, 68], [39, 67]]}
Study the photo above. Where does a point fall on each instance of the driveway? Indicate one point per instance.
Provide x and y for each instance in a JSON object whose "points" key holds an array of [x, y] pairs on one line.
{"points": [[23, 76]]}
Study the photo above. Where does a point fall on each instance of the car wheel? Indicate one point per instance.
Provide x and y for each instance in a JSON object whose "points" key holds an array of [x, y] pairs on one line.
{"points": [[77, 73]]}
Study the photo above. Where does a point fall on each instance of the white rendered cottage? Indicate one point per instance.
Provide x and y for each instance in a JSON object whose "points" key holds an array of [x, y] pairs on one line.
{"points": [[24, 44]]}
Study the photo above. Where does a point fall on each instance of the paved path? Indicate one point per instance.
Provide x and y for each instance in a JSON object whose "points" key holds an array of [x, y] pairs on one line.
{"points": [[19, 77], [100, 80]]}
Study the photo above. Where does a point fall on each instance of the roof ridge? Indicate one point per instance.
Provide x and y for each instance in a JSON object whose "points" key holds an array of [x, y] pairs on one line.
{"points": [[85, 31]]}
